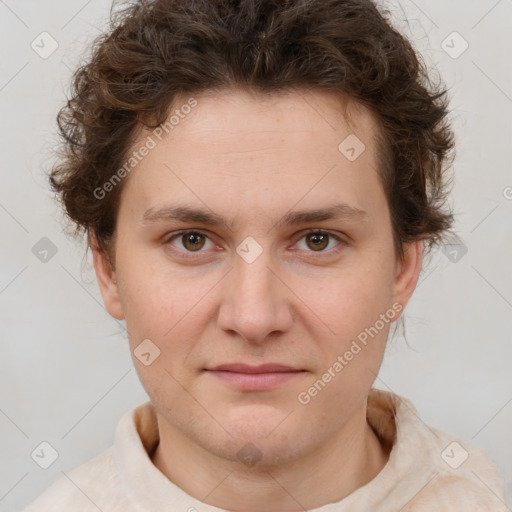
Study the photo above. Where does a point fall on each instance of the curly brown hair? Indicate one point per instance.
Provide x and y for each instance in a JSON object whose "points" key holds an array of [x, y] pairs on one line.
{"points": [[157, 51]]}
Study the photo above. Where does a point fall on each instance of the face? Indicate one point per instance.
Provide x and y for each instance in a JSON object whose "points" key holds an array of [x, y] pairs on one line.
{"points": [[251, 280]]}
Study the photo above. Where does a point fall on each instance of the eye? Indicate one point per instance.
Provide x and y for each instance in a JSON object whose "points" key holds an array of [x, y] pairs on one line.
{"points": [[317, 241], [192, 241]]}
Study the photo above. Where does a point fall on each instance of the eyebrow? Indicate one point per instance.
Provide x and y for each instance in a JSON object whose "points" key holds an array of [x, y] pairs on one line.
{"points": [[340, 211]]}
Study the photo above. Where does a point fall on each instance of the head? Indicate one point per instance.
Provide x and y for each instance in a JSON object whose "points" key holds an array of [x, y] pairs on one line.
{"points": [[258, 115]]}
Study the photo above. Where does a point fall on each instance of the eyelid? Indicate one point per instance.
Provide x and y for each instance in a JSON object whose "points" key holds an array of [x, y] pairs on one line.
{"points": [[170, 237], [330, 252], [301, 234]]}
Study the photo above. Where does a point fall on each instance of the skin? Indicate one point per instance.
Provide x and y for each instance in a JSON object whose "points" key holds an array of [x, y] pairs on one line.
{"points": [[252, 159]]}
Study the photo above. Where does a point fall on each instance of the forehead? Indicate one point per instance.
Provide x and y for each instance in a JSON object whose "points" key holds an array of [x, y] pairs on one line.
{"points": [[256, 149], [238, 111]]}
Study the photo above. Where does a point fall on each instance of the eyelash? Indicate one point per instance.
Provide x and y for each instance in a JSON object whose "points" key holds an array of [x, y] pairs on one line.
{"points": [[341, 243]]}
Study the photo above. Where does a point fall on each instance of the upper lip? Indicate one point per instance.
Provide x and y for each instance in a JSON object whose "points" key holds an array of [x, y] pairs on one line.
{"points": [[262, 368]]}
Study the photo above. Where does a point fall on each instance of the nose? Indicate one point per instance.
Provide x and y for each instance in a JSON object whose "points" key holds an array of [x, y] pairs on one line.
{"points": [[255, 300]]}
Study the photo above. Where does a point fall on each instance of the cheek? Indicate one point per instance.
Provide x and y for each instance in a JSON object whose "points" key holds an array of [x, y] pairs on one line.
{"points": [[351, 304], [168, 309], [148, 311], [150, 297], [351, 357], [349, 300], [154, 311], [163, 314]]}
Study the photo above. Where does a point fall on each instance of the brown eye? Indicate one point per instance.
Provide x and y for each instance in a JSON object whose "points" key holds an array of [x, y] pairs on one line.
{"points": [[183, 244], [321, 242], [193, 241], [317, 241]]}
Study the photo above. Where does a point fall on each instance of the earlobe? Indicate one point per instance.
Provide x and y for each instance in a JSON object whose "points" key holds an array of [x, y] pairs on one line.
{"points": [[407, 273], [107, 282]]}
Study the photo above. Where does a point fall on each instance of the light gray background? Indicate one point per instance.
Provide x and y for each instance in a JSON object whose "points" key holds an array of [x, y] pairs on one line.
{"points": [[65, 368]]}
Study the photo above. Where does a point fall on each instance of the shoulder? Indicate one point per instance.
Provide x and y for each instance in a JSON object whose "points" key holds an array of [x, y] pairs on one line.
{"points": [[450, 493], [434, 470], [88, 487], [466, 477]]}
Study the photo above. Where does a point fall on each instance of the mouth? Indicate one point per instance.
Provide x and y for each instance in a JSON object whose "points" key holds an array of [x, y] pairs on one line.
{"points": [[255, 378]]}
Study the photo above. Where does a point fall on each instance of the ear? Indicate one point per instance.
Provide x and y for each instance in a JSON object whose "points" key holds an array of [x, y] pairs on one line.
{"points": [[407, 272], [107, 282]]}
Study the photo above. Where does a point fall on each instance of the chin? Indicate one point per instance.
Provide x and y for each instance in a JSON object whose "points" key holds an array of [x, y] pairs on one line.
{"points": [[261, 453], [269, 441]]}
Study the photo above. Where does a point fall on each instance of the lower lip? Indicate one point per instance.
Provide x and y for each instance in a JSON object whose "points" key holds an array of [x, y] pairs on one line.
{"points": [[255, 381]]}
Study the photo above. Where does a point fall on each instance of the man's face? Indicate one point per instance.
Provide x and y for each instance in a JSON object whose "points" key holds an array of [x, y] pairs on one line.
{"points": [[257, 289]]}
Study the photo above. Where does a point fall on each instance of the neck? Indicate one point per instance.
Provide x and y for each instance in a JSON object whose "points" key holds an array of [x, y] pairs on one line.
{"points": [[332, 472]]}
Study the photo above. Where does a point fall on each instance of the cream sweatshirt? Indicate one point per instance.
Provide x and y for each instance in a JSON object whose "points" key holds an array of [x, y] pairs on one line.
{"points": [[427, 471]]}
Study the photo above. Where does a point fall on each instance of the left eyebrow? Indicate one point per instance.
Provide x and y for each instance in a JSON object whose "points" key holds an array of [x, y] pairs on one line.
{"points": [[340, 211]]}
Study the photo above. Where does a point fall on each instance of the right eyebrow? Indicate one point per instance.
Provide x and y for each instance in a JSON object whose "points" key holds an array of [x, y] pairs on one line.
{"points": [[339, 211]]}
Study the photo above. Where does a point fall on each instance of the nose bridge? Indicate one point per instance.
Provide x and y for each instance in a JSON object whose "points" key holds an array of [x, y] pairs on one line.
{"points": [[252, 274], [253, 303]]}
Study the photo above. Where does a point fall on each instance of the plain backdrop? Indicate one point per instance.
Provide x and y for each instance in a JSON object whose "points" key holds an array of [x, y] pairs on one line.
{"points": [[65, 367]]}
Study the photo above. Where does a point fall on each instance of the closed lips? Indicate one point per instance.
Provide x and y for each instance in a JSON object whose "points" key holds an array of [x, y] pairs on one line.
{"points": [[244, 368]]}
